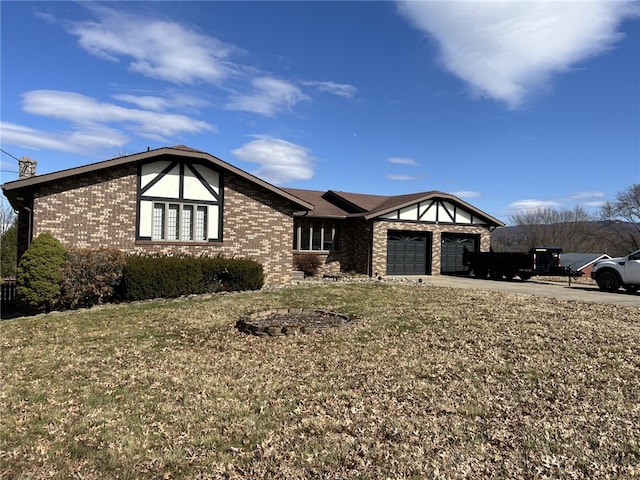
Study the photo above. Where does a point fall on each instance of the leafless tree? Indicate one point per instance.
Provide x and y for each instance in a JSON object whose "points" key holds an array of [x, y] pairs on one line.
{"points": [[568, 229], [7, 217], [622, 217]]}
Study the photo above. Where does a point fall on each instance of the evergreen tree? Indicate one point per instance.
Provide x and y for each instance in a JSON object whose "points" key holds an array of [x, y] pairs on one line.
{"points": [[9, 251], [40, 274]]}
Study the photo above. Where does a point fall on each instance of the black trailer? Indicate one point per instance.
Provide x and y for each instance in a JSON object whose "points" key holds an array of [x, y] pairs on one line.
{"points": [[541, 261]]}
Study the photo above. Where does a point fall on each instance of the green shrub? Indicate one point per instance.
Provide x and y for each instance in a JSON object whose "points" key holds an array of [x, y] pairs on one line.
{"points": [[39, 275], [91, 277], [9, 251], [159, 276], [309, 263], [165, 276], [233, 274]]}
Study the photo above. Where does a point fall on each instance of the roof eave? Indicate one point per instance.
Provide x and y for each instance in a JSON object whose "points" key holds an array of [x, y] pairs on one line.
{"points": [[343, 199], [309, 214], [140, 157]]}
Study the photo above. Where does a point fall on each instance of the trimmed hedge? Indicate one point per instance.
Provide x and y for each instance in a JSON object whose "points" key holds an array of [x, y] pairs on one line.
{"points": [[166, 276], [50, 277]]}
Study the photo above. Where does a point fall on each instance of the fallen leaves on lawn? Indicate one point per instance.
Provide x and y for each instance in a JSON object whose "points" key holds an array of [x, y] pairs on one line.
{"points": [[430, 383]]}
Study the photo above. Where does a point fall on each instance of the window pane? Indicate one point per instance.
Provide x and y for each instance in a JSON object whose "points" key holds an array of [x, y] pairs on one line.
{"points": [[305, 241], [201, 223], [317, 236], [158, 222], [172, 222], [187, 222], [329, 237]]}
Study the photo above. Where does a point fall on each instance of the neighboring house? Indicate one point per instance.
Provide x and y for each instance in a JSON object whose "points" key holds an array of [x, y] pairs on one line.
{"points": [[181, 200], [581, 262]]}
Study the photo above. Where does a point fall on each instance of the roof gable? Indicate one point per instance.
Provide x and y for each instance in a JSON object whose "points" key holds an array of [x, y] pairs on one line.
{"points": [[433, 206], [11, 188]]}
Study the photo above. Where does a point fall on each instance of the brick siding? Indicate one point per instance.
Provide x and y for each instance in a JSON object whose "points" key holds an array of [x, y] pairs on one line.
{"points": [[101, 212], [89, 212], [353, 254], [380, 228]]}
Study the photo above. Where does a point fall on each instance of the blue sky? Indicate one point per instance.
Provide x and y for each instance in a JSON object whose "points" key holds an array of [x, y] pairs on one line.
{"points": [[510, 105]]}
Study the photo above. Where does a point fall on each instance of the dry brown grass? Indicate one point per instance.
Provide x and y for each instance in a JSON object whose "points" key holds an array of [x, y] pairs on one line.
{"points": [[431, 383]]}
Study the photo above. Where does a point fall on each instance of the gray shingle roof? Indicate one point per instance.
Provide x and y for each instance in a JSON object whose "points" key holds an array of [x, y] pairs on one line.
{"points": [[578, 261]]}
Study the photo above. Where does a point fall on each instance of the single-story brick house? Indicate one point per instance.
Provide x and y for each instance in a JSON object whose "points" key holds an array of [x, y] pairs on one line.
{"points": [[181, 200]]}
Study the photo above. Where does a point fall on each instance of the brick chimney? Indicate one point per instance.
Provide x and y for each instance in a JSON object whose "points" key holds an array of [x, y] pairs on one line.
{"points": [[26, 168]]}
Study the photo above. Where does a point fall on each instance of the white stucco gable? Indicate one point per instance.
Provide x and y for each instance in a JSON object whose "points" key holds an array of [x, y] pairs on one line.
{"points": [[435, 210]]}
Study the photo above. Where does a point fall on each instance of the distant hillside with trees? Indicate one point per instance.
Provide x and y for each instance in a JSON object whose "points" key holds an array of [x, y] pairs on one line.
{"points": [[614, 230], [589, 236]]}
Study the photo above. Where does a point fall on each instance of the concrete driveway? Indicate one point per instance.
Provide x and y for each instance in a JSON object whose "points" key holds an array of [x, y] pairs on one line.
{"points": [[577, 291]]}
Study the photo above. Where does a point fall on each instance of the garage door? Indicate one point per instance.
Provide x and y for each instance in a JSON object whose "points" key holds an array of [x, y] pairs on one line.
{"points": [[408, 253], [453, 246]]}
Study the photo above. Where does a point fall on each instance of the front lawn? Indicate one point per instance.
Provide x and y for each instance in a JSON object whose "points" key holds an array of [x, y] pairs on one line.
{"points": [[430, 383]]}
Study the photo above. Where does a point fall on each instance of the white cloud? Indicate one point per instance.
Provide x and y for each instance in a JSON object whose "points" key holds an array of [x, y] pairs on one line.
{"points": [[467, 194], [588, 199], [77, 141], [175, 53], [509, 50], [583, 199], [589, 196], [178, 53], [82, 110], [403, 161], [156, 48], [280, 161], [269, 96], [533, 204], [400, 177], [146, 102], [157, 103], [338, 89]]}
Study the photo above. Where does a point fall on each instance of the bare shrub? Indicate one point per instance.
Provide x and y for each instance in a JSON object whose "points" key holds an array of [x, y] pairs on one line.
{"points": [[91, 277], [308, 263]]}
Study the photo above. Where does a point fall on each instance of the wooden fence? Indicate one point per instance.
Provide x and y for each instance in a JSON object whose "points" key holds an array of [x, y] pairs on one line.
{"points": [[8, 294]]}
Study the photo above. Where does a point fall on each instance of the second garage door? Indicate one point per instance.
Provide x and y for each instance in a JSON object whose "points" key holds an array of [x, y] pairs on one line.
{"points": [[408, 253], [453, 246]]}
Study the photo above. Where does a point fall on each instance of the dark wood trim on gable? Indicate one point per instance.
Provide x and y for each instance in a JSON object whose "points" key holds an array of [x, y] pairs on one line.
{"points": [[183, 165], [420, 215], [159, 177], [204, 181]]}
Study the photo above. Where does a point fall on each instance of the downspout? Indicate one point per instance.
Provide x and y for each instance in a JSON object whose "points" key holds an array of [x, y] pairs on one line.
{"points": [[29, 225]]}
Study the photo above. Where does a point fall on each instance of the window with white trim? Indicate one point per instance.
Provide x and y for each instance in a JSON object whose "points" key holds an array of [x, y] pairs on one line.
{"points": [[315, 235], [179, 201], [176, 222]]}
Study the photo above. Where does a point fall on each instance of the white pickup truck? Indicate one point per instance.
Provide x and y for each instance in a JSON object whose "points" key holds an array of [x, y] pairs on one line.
{"points": [[612, 273]]}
